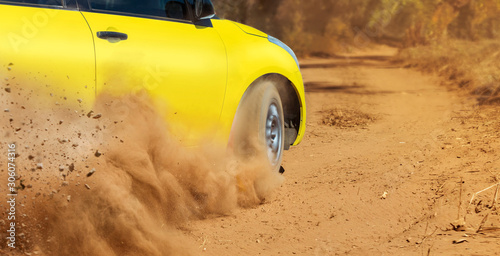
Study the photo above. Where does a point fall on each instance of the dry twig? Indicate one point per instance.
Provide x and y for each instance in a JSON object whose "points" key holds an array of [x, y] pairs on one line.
{"points": [[482, 223], [460, 199], [488, 188]]}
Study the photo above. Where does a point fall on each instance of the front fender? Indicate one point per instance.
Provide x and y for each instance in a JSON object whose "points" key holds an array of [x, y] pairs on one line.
{"points": [[249, 58]]}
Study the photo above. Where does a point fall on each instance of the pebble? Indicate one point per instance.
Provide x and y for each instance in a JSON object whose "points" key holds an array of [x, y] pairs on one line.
{"points": [[91, 172], [87, 186], [39, 165], [384, 196], [7, 89], [97, 153], [97, 116]]}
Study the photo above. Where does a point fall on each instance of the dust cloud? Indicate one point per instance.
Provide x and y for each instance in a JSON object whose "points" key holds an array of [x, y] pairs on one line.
{"points": [[111, 180]]}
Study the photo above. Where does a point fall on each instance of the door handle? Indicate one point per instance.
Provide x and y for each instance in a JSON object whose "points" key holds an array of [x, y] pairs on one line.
{"points": [[110, 35]]}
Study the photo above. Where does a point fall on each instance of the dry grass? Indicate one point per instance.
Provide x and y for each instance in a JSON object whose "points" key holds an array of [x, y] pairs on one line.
{"points": [[474, 66], [346, 118]]}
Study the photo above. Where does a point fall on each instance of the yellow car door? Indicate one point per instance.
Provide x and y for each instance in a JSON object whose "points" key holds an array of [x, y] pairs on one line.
{"points": [[152, 45], [47, 49]]}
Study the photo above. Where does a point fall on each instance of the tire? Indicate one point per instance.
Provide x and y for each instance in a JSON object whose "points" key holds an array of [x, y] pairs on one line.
{"points": [[258, 130]]}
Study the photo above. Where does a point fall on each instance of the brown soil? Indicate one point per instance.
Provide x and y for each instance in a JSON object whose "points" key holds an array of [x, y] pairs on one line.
{"points": [[392, 188], [346, 118], [390, 165]]}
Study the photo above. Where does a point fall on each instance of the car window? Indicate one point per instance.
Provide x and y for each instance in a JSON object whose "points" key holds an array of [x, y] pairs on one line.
{"points": [[175, 9], [39, 2], [208, 8]]}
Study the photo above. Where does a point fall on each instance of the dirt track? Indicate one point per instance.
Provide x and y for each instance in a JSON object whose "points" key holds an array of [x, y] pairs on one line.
{"points": [[379, 172], [387, 187]]}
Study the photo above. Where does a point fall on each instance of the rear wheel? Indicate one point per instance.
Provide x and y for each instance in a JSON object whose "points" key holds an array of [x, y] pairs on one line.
{"points": [[258, 130]]}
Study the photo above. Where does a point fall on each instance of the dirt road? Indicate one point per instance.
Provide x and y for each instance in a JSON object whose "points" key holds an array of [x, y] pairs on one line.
{"points": [[390, 165], [379, 171]]}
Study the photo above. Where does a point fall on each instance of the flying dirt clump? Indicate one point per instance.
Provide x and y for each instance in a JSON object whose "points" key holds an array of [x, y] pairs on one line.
{"points": [[126, 186]]}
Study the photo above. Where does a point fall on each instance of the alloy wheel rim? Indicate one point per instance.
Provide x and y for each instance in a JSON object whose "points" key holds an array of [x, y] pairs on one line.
{"points": [[274, 134]]}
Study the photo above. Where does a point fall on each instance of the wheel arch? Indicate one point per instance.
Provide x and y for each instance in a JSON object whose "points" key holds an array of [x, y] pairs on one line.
{"points": [[293, 106]]}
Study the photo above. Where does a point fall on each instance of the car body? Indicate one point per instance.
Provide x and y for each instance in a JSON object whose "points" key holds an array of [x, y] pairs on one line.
{"points": [[196, 67]]}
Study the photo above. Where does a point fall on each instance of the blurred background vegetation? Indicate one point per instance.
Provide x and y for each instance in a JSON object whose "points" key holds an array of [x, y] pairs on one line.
{"points": [[458, 39], [333, 26]]}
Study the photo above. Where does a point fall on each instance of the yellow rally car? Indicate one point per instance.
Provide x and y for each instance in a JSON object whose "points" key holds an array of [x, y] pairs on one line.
{"points": [[210, 78]]}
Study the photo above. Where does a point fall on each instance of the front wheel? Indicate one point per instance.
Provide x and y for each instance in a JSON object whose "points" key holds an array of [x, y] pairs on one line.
{"points": [[258, 129]]}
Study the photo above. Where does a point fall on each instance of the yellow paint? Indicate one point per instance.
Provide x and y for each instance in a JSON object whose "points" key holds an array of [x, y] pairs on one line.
{"points": [[196, 75], [51, 52], [182, 66]]}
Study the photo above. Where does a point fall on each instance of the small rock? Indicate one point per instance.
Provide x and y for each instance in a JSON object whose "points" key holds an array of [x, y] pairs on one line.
{"points": [[6, 110], [75, 145], [7, 89], [384, 196], [97, 153], [87, 186], [39, 165], [91, 172], [61, 168], [97, 116], [71, 167], [65, 183], [68, 198], [90, 113], [60, 122], [459, 225], [79, 100]]}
